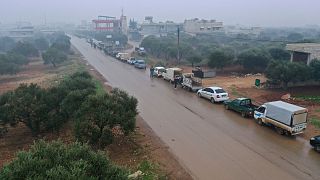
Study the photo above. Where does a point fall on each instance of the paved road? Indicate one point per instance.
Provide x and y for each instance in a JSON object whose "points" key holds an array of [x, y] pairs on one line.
{"points": [[210, 142]]}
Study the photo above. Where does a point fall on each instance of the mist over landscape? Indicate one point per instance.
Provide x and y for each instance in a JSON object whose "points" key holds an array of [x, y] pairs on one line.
{"points": [[160, 89], [245, 12]]}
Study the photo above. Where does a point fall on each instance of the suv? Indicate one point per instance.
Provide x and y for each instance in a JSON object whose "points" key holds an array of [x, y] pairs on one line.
{"points": [[315, 142]]}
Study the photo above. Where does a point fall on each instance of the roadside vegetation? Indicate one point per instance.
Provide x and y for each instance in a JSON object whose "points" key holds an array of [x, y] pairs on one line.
{"points": [[14, 55], [254, 54], [57, 160]]}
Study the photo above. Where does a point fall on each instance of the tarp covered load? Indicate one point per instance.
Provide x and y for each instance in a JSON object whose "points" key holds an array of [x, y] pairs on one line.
{"points": [[282, 111]]}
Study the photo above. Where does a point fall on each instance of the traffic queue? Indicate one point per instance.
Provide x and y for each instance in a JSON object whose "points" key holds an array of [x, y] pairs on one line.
{"points": [[287, 119]]}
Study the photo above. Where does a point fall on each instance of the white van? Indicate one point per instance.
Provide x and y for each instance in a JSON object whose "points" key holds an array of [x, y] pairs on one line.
{"points": [[170, 73]]}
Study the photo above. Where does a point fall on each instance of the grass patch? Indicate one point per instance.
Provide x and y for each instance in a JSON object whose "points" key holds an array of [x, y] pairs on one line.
{"points": [[315, 99], [150, 171], [99, 87], [234, 91], [315, 122]]}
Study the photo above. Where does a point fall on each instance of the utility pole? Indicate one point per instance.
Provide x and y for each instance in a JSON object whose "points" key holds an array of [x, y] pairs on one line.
{"points": [[178, 44]]}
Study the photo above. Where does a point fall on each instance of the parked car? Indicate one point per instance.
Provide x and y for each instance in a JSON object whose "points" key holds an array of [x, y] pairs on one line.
{"points": [[214, 94], [315, 143], [140, 64], [158, 71], [241, 105], [287, 118]]}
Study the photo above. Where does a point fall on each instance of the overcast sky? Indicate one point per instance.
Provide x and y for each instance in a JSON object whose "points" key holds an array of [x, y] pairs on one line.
{"points": [[246, 12]]}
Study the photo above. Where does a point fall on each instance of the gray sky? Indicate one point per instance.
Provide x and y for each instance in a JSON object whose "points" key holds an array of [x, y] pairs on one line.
{"points": [[246, 12]]}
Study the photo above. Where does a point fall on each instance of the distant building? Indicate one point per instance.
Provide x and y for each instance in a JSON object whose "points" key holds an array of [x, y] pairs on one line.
{"points": [[304, 52], [236, 30], [108, 23], [148, 27], [197, 26], [21, 32]]}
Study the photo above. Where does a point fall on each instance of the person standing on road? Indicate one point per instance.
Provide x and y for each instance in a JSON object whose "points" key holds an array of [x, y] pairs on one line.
{"points": [[151, 71], [176, 80]]}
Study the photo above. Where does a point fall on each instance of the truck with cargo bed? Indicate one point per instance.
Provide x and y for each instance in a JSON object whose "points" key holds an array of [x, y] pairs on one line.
{"points": [[190, 82], [241, 105], [287, 118]]}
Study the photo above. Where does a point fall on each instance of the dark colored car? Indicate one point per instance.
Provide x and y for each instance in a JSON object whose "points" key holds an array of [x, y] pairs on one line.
{"points": [[241, 105], [315, 143]]}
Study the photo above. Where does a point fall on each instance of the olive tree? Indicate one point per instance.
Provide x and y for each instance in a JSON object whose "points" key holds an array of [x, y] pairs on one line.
{"points": [[219, 59], [56, 160], [100, 113]]}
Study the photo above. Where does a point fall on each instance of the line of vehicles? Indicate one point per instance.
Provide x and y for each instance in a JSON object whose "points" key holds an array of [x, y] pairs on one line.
{"points": [[285, 118]]}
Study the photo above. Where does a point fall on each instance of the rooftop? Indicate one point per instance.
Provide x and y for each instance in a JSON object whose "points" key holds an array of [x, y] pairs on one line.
{"points": [[304, 47]]}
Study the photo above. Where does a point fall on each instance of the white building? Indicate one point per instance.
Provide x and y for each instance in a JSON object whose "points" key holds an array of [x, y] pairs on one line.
{"points": [[197, 26], [148, 27]]}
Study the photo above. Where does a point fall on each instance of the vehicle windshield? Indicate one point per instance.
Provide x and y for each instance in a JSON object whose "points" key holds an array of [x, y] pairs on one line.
{"points": [[220, 91]]}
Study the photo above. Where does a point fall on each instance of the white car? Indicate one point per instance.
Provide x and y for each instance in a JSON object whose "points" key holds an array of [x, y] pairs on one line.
{"points": [[214, 94], [158, 71]]}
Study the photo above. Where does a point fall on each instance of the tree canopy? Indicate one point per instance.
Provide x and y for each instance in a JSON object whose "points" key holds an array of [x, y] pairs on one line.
{"points": [[254, 60], [56, 160], [219, 59], [101, 113], [54, 56], [26, 49], [45, 109]]}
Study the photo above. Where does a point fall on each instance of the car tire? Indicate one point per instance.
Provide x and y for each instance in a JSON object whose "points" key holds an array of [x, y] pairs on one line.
{"points": [[243, 114], [259, 121], [226, 107], [317, 148], [212, 100], [199, 95], [280, 131]]}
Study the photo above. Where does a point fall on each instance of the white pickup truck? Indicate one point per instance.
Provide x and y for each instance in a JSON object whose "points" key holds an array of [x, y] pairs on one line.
{"points": [[287, 118]]}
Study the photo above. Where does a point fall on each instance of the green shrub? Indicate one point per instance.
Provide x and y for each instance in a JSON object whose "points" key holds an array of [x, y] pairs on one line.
{"points": [[56, 160]]}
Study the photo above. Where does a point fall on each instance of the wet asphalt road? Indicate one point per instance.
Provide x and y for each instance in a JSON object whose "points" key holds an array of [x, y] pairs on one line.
{"points": [[210, 142]]}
